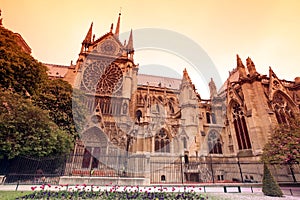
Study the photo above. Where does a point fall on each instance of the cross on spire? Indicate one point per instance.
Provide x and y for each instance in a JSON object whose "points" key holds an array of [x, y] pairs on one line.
{"points": [[118, 26]]}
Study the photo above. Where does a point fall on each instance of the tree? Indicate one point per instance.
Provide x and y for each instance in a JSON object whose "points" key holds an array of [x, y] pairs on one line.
{"points": [[270, 186], [26, 129], [43, 123], [19, 71], [56, 96], [283, 146]]}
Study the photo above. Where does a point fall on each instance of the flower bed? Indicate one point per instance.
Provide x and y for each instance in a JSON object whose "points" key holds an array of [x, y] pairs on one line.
{"points": [[111, 195], [110, 192]]}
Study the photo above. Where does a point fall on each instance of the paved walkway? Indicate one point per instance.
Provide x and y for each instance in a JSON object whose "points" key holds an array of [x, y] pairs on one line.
{"points": [[217, 192]]}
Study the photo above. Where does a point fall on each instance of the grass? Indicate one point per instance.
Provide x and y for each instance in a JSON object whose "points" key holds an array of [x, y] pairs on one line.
{"points": [[12, 195]]}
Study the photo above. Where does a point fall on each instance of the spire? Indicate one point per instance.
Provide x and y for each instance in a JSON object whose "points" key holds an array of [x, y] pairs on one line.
{"points": [[186, 75], [251, 67], [212, 88], [186, 78], [88, 38], [111, 27], [187, 82], [239, 62], [130, 43], [118, 27], [240, 67], [271, 73]]}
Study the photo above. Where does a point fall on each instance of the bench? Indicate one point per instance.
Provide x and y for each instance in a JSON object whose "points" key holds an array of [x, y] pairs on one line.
{"points": [[232, 188]]}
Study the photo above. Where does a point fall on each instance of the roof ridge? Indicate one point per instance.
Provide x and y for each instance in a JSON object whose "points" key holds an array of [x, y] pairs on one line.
{"points": [[160, 76], [56, 65]]}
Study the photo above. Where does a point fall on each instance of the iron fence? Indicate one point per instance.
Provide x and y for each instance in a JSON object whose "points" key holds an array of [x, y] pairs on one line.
{"points": [[208, 170], [159, 169], [28, 170]]}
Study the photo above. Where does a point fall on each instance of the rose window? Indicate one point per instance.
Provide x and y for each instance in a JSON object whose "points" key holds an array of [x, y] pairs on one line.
{"points": [[103, 77]]}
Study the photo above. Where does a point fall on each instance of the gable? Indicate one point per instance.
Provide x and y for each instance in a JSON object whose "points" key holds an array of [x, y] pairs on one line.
{"points": [[108, 45]]}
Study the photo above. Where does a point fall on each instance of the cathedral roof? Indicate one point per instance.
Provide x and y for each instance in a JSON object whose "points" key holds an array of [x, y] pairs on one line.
{"points": [[57, 71], [159, 81], [233, 77]]}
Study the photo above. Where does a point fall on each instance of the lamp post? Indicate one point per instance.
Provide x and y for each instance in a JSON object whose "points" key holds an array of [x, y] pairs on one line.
{"points": [[290, 164], [240, 169]]}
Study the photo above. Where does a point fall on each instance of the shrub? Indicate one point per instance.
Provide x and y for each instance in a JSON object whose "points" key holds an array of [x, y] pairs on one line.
{"points": [[270, 186]]}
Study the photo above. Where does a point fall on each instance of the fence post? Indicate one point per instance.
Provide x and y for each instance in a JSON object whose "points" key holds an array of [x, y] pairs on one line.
{"points": [[17, 185], [181, 169], [212, 170]]}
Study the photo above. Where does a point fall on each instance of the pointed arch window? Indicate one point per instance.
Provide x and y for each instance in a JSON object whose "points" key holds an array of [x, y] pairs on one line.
{"points": [[240, 127], [213, 118], [184, 143], [208, 118], [214, 143], [162, 142], [139, 115], [96, 145], [282, 108], [171, 108]]}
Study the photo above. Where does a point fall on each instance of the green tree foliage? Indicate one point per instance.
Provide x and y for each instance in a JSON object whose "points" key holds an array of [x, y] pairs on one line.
{"points": [[80, 110], [36, 113], [19, 71], [56, 97], [27, 130], [270, 186], [284, 144]]}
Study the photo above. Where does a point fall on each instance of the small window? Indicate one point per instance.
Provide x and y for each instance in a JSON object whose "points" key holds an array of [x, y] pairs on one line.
{"points": [[163, 178], [208, 118], [186, 159], [139, 115], [220, 177], [184, 143]]}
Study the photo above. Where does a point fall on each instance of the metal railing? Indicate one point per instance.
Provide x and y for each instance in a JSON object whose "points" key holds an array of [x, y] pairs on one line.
{"points": [[176, 170]]}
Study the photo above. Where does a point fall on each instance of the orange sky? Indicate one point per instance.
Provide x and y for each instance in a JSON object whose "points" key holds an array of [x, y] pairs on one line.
{"points": [[268, 30]]}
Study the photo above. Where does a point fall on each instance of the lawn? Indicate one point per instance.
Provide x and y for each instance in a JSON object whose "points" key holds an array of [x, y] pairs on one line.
{"points": [[9, 195]]}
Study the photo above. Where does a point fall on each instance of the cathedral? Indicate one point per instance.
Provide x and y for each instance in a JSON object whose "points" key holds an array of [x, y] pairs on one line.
{"points": [[138, 124]]}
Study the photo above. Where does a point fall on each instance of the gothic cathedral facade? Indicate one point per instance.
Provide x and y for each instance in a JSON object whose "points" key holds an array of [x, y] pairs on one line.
{"points": [[136, 119]]}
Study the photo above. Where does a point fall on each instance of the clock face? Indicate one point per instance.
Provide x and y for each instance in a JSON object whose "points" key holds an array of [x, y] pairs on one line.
{"points": [[102, 77]]}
